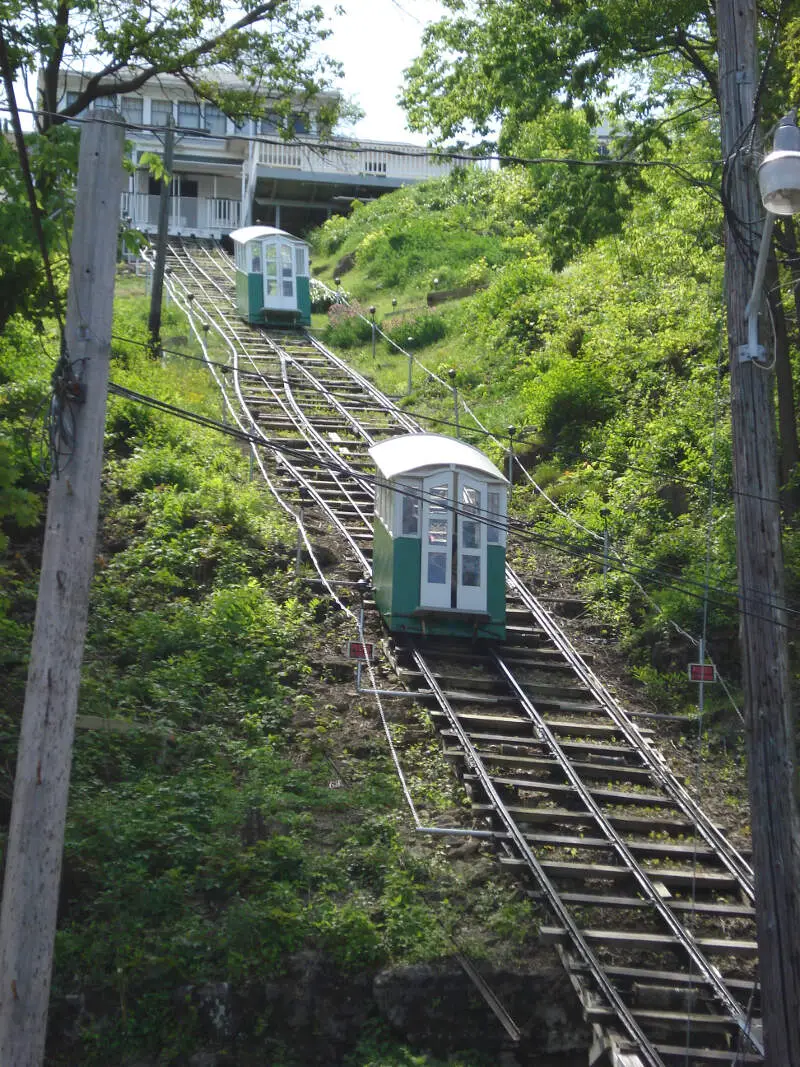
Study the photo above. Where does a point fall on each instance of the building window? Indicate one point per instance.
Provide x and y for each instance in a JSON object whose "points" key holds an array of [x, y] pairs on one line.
{"points": [[105, 103], [188, 115], [494, 532], [132, 108], [69, 100], [269, 124], [301, 124], [160, 111], [215, 121], [409, 518], [271, 270]]}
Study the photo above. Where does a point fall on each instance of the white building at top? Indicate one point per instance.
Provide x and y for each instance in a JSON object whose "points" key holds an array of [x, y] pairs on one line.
{"points": [[227, 175]]}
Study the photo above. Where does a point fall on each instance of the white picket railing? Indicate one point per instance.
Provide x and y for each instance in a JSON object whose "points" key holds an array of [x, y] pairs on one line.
{"points": [[189, 214], [352, 158]]}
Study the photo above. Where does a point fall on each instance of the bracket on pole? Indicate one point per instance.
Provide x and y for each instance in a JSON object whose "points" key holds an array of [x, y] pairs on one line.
{"points": [[749, 354]]}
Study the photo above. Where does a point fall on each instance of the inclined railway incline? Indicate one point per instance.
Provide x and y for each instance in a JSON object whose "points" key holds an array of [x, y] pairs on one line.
{"points": [[650, 906]]}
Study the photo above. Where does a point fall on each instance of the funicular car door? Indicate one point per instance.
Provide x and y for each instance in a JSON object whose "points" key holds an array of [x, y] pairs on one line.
{"points": [[437, 541], [470, 547], [280, 287]]}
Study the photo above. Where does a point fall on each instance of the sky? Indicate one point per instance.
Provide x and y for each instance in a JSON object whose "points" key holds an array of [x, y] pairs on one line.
{"points": [[376, 40]]}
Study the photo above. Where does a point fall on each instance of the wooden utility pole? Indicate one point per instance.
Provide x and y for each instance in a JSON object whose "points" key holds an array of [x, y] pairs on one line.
{"points": [[765, 660], [41, 783], [157, 291]]}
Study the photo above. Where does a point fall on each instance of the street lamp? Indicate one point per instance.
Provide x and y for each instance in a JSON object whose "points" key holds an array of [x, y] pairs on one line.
{"points": [[779, 173], [452, 376], [779, 184], [372, 311]]}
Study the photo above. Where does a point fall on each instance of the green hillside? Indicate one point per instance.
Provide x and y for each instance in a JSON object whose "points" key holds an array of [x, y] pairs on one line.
{"points": [[239, 862], [239, 826], [609, 360]]}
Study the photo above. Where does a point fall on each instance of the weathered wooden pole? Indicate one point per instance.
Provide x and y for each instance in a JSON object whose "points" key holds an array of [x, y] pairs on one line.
{"points": [[41, 783], [765, 661]]}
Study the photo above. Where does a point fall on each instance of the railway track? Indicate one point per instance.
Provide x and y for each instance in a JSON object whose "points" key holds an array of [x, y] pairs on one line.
{"points": [[652, 907]]}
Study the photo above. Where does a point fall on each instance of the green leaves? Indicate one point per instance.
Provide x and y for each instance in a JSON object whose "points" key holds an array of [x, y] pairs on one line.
{"points": [[495, 60]]}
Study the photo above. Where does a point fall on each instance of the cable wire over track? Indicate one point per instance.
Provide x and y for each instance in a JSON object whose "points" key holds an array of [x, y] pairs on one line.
{"points": [[651, 904]]}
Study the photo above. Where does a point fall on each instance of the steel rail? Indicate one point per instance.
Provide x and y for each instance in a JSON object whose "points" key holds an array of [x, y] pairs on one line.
{"points": [[303, 422], [661, 774], [296, 473], [330, 398], [561, 911], [732, 859], [385, 402], [225, 266], [182, 250], [302, 480], [709, 973]]}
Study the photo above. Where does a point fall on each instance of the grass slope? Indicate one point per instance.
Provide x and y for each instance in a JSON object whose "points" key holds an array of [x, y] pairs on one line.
{"points": [[240, 809]]}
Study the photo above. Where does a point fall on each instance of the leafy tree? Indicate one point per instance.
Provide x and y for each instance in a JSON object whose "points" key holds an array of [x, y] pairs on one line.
{"points": [[497, 58], [269, 47], [575, 204], [53, 162], [235, 57]]}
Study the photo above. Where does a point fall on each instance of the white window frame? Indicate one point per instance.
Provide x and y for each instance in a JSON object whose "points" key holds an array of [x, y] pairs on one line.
{"points": [[197, 115], [212, 113], [496, 534], [407, 488]]}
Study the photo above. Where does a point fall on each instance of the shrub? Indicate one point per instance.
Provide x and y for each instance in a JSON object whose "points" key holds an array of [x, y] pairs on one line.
{"points": [[568, 399], [346, 328], [332, 234], [422, 329], [323, 298]]}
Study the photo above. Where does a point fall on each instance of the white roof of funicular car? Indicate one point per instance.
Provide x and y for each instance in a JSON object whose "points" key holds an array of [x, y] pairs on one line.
{"points": [[415, 452], [248, 233]]}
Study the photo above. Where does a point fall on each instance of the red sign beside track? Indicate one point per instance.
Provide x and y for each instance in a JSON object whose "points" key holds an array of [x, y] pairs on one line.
{"points": [[359, 650], [702, 672]]}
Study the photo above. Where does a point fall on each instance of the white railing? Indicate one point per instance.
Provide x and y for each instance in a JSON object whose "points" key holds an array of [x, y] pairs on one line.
{"points": [[370, 160], [189, 214]]}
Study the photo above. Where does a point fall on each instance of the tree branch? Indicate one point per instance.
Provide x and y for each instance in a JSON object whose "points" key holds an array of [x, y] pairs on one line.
{"points": [[692, 53], [94, 90], [52, 68]]}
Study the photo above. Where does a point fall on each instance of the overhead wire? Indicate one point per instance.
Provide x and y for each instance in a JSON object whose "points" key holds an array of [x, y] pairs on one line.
{"points": [[650, 571], [521, 531], [442, 155]]}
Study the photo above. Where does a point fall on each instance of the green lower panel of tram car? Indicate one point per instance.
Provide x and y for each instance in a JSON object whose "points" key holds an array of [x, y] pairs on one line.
{"points": [[396, 578], [250, 296], [496, 576], [303, 301], [250, 302], [395, 575]]}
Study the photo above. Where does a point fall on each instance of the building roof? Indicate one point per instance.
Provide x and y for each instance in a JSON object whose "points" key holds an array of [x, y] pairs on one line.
{"points": [[415, 452], [250, 233]]}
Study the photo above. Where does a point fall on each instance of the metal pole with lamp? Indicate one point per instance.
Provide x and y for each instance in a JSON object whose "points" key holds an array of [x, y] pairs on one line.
{"points": [[451, 374], [769, 723]]}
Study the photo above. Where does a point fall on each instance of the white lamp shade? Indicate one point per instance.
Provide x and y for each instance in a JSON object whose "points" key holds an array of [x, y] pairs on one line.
{"points": [[779, 182]]}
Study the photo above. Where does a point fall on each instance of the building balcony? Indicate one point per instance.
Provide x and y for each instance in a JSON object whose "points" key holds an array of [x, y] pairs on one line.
{"points": [[366, 162], [198, 216]]}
